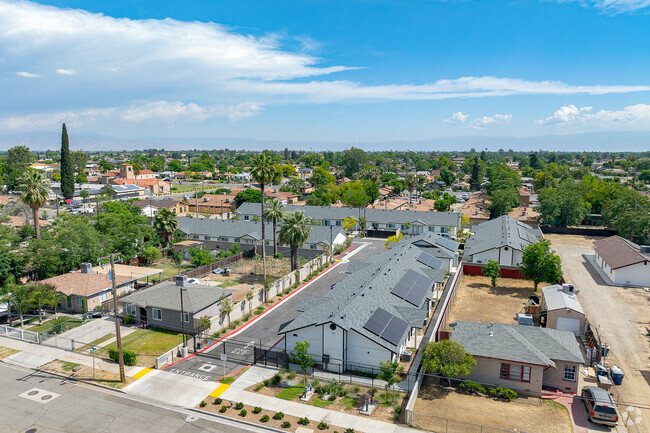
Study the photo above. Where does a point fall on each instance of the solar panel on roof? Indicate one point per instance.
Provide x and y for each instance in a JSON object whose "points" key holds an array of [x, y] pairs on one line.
{"points": [[394, 331], [404, 285], [430, 261], [446, 243], [419, 291], [378, 321]]}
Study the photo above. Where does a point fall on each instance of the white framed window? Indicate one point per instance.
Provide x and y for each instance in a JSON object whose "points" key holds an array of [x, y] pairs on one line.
{"points": [[570, 373], [186, 317], [130, 309], [237, 240], [156, 313]]}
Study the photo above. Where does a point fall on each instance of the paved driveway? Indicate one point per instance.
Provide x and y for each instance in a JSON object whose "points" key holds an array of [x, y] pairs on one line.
{"points": [[621, 316], [264, 331], [97, 328]]}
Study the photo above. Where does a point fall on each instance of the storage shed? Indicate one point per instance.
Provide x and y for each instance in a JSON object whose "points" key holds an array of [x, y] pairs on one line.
{"points": [[560, 309]]}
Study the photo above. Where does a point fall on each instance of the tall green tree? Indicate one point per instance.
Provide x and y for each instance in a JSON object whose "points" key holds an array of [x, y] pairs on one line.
{"points": [[565, 205], [354, 160], [274, 212], [503, 201], [295, 230], [16, 161], [540, 263], [166, 224], [447, 358], [411, 183], [35, 192], [67, 166], [17, 298], [263, 172], [40, 296]]}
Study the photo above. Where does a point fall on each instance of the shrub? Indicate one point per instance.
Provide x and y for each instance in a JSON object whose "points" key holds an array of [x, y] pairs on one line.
{"points": [[332, 397], [265, 418], [278, 415], [246, 317], [323, 425], [279, 256], [356, 389], [397, 411], [506, 393], [127, 319], [350, 430], [239, 406], [291, 375], [203, 404], [265, 382], [271, 301], [223, 409], [217, 401], [277, 378], [259, 386], [303, 421], [472, 388], [129, 356], [232, 326], [315, 383], [243, 412], [257, 409], [286, 424]]}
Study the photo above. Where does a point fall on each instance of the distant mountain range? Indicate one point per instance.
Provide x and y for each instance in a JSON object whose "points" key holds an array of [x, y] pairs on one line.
{"points": [[592, 141]]}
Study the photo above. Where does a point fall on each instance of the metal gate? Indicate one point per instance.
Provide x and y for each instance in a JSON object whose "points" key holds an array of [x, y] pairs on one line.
{"points": [[266, 357]]}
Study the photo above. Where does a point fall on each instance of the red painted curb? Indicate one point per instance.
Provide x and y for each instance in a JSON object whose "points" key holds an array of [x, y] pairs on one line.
{"points": [[250, 322]]}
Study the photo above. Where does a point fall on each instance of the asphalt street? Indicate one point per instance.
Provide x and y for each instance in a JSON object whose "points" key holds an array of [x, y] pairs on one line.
{"points": [[35, 402], [264, 332]]}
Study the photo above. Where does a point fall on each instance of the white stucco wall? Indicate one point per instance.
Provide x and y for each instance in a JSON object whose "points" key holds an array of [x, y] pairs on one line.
{"points": [[638, 275], [365, 352], [311, 334], [506, 256]]}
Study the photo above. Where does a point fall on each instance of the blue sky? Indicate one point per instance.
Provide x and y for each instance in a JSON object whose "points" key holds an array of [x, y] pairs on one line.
{"points": [[348, 71]]}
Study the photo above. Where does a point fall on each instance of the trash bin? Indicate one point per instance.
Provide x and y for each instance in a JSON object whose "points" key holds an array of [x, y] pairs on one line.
{"points": [[617, 375]]}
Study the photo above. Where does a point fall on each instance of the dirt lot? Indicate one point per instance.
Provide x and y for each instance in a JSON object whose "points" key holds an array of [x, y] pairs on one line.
{"points": [[622, 317], [240, 279], [476, 299], [527, 415], [86, 373]]}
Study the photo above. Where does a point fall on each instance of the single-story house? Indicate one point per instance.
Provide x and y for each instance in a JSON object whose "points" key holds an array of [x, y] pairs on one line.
{"points": [[184, 247], [560, 309], [213, 204], [152, 186], [522, 358], [502, 239], [160, 305], [389, 221], [372, 315], [623, 261], [151, 207], [222, 234], [85, 285]]}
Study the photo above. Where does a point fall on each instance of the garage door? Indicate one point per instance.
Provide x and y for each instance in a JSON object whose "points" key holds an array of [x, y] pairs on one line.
{"points": [[568, 324]]}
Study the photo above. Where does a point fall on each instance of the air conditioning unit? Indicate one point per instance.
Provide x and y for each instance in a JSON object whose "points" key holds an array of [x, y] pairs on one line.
{"points": [[181, 280], [644, 249]]}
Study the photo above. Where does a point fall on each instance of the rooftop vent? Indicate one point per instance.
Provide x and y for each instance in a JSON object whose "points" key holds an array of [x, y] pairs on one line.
{"points": [[181, 280], [86, 268]]}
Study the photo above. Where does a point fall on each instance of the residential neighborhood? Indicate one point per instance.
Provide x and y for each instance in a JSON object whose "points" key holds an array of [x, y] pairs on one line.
{"points": [[340, 217]]}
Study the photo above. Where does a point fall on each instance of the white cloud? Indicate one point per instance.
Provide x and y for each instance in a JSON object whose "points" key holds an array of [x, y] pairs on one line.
{"points": [[62, 71], [613, 7], [28, 75], [570, 115], [490, 121], [455, 118], [158, 111]]}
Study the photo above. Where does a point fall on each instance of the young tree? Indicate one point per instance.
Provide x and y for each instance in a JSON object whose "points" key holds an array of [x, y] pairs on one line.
{"points": [[541, 264], [249, 301], [447, 358], [35, 192], [206, 323], [200, 257], [492, 270], [166, 223], [67, 166], [388, 372], [177, 258], [17, 298], [39, 296], [274, 212], [225, 308], [395, 238], [151, 254], [300, 355], [349, 223], [295, 231]]}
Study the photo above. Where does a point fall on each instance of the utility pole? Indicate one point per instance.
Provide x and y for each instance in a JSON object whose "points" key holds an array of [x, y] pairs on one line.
{"points": [[120, 358], [56, 201]]}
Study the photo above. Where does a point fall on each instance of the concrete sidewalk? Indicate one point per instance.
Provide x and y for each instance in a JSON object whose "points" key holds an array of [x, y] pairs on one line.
{"points": [[35, 355], [256, 374]]}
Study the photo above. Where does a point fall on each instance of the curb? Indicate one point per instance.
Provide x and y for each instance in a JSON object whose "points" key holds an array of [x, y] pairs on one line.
{"points": [[250, 322], [240, 421]]}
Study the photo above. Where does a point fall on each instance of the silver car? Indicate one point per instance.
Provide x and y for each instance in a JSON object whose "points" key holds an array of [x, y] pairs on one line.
{"points": [[599, 405]]}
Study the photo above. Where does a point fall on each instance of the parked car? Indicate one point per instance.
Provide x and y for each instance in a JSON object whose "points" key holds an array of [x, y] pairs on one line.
{"points": [[599, 405], [218, 271], [193, 281], [151, 196]]}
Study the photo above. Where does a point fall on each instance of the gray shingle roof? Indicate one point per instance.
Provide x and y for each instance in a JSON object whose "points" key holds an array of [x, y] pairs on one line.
{"points": [[216, 228], [432, 243], [557, 299], [382, 216], [166, 295], [501, 232], [518, 343], [352, 301]]}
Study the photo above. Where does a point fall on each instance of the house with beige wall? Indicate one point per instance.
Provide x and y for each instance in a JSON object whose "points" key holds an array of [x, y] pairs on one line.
{"points": [[560, 309], [522, 358]]}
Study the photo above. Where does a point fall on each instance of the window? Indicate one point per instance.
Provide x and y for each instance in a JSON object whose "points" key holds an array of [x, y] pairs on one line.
{"points": [[443, 230], [156, 313], [78, 300], [130, 309], [245, 217], [391, 226], [570, 373], [313, 246], [520, 373], [237, 240], [186, 317]]}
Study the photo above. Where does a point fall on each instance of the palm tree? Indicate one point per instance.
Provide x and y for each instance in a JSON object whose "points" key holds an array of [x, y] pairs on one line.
{"points": [[295, 230], [17, 298], [274, 212], [36, 191], [411, 183], [262, 172], [166, 225], [40, 296]]}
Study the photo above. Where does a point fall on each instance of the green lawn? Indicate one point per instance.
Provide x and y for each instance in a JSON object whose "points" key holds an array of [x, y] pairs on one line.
{"points": [[170, 269], [227, 380], [320, 403], [63, 321], [152, 342], [68, 366], [291, 393], [349, 402]]}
